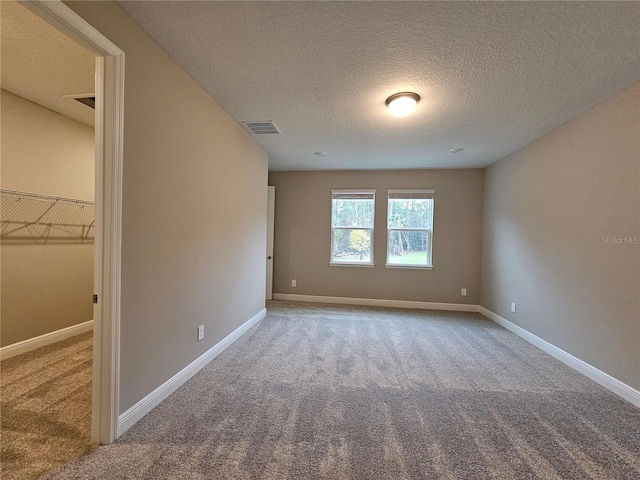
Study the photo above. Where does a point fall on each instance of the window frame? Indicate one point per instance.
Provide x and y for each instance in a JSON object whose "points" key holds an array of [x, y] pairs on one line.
{"points": [[429, 194], [335, 195]]}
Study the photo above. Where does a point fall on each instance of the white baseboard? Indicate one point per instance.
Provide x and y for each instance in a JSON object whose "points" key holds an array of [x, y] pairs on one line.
{"points": [[43, 340], [375, 302], [604, 379], [148, 403]]}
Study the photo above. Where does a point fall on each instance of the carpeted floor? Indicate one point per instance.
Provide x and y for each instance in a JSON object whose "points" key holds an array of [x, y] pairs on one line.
{"points": [[45, 410], [340, 392]]}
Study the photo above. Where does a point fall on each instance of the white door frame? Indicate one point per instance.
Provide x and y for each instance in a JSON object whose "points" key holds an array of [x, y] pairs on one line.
{"points": [[271, 202], [108, 193]]}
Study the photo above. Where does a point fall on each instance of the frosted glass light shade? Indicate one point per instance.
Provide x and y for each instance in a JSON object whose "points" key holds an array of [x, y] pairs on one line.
{"points": [[402, 104]]}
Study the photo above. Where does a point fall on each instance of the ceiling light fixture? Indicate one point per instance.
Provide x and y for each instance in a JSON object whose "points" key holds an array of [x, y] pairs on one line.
{"points": [[456, 150], [402, 104], [320, 154]]}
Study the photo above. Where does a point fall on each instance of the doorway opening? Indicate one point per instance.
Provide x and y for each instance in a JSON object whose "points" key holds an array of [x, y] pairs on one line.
{"points": [[47, 215], [108, 119]]}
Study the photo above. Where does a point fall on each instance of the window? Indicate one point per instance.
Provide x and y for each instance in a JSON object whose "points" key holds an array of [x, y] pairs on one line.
{"points": [[352, 215], [409, 228]]}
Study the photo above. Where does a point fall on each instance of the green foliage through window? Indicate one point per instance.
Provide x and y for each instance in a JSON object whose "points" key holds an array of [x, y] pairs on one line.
{"points": [[352, 215], [409, 228]]}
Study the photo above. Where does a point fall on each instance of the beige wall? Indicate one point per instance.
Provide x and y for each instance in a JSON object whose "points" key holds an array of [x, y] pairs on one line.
{"points": [[45, 287], [194, 213], [302, 241], [45, 152], [549, 211]]}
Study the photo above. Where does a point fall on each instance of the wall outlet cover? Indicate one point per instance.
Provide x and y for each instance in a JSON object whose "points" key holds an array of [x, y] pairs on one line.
{"points": [[513, 307], [200, 332]]}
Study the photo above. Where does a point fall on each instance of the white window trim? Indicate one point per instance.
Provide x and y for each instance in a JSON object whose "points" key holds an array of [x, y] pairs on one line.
{"points": [[426, 191], [372, 229], [408, 266], [347, 264], [428, 194]]}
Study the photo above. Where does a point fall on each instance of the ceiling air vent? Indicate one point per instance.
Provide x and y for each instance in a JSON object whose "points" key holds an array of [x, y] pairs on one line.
{"points": [[90, 101], [266, 127]]}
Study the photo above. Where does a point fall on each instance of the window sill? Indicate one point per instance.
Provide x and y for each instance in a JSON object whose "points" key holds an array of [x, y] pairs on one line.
{"points": [[345, 264], [413, 267]]}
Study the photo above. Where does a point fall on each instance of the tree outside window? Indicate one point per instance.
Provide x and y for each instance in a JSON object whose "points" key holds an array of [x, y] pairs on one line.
{"points": [[352, 214], [409, 228]]}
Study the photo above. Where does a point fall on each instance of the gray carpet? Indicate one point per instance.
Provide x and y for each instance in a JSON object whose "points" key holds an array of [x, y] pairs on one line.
{"points": [[368, 393], [45, 409]]}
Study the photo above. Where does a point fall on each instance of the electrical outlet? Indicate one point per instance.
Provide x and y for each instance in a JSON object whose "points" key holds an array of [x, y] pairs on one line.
{"points": [[463, 292], [293, 283], [200, 332], [513, 307]]}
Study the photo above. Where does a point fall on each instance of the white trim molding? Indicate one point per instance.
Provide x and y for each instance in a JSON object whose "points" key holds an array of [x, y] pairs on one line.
{"points": [[604, 379], [44, 340], [375, 302], [110, 61], [152, 400]]}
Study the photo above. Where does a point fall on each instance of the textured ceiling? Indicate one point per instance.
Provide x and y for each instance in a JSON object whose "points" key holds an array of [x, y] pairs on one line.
{"points": [[493, 76], [41, 64]]}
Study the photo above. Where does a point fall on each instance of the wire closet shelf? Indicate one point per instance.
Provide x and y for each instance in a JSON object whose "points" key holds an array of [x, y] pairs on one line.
{"points": [[31, 217]]}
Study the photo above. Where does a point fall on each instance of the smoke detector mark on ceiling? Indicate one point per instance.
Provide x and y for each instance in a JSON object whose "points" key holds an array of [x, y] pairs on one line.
{"points": [[266, 127]]}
